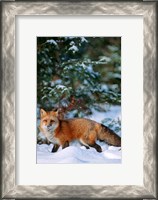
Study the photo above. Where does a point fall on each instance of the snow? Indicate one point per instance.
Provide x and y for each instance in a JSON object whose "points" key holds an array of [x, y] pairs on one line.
{"points": [[104, 87], [113, 112], [73, 48], [52, 42], [78, 154], [113, 48], [56, 82], [83, 39], [60, 86], [104, 59]]}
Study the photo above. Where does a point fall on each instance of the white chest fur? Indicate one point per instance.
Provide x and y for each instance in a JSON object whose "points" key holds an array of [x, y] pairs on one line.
{"points": [[49, 134], [53, 139]]}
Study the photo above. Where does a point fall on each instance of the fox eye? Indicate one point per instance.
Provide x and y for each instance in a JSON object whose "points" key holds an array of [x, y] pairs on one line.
{"points": [[52, 121], [45, 121]]}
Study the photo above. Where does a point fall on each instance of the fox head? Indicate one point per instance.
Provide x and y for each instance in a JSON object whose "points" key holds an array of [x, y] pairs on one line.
{"points": [[49, 122]]}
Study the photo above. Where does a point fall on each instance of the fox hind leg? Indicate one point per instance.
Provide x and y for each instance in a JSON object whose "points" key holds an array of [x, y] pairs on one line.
{"points": [[89, 140], [96, 146], [84, 144]]}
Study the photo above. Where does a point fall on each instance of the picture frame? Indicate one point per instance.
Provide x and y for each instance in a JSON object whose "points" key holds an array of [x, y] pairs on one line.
{"points": [[9, 11]]}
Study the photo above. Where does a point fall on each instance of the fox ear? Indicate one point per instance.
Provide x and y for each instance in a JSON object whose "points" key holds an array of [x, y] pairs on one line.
{"points": [[57, 113], [42, 112]]}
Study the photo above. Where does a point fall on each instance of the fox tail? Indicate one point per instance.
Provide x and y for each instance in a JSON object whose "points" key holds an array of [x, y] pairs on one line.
{"points": [[109, 136]]}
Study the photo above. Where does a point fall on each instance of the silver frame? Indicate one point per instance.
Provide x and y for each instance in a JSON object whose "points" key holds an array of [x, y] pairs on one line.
{"points": [[9, 11]]}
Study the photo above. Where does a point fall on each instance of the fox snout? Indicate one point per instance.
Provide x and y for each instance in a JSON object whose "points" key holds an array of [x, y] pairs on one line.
{"points": [[49, 125]]}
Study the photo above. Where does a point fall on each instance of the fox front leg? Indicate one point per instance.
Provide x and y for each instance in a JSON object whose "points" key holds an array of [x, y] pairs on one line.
{"points": [[66, 144], [55, 148]]}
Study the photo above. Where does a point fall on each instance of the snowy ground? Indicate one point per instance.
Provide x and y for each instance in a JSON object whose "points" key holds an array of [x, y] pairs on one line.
{"points": [[76, 153]]}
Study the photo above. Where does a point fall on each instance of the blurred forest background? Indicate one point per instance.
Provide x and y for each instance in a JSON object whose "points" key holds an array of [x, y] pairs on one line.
{"points": [[78, 74]]}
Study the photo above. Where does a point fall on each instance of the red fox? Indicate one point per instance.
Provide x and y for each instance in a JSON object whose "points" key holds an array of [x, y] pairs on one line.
{"points": [[61, 132]]}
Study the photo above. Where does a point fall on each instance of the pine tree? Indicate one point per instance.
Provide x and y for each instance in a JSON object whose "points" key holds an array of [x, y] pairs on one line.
{"points": [[71, 79]]}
